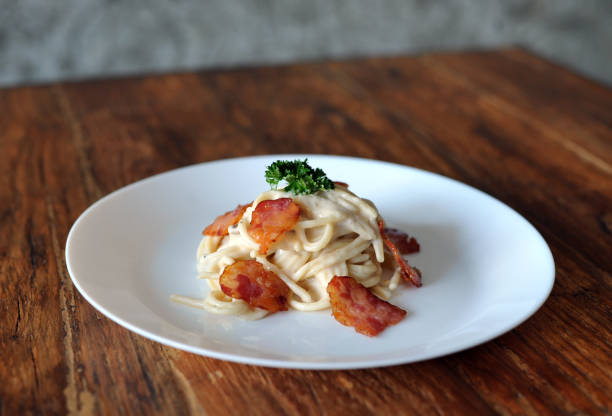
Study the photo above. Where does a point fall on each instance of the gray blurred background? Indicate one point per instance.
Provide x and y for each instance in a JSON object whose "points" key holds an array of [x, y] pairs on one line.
{"points": [[48, 40]]}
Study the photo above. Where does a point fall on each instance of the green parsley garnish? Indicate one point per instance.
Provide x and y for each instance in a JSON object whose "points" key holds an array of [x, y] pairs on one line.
{"points": [[300, 177]]}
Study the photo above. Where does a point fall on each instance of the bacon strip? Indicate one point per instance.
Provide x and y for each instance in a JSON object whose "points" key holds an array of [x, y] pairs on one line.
{"points": [[223, 222], [250, 281], [409, 273], [354, 305], [401, 240], [271, 219], [338, 183]]}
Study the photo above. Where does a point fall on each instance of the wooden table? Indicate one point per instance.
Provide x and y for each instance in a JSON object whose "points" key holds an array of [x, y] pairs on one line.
{"points": [[528, 132]]}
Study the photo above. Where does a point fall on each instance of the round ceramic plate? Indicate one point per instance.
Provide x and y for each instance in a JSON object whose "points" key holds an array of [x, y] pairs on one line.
{"points": [[485, 268]]}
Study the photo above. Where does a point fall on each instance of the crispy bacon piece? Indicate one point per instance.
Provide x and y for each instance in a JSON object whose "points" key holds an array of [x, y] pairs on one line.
{"points": [[402, 241], [271, 219], [223, 222], [339, 183], [354, 305], [409, 273], [250, 281]]}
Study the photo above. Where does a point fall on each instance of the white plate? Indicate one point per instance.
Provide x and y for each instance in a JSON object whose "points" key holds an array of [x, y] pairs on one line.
{"points": [[485, 268]]}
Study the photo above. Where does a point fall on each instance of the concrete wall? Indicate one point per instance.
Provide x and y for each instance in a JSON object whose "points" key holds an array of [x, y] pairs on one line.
{"points": [[46, 40]]}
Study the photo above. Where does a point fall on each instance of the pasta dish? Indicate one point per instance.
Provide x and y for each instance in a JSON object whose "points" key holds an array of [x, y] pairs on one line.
{"points": [[307, 252]]}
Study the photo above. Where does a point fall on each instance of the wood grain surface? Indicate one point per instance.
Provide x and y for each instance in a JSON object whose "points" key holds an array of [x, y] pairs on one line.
{"points": [[530, 133]]}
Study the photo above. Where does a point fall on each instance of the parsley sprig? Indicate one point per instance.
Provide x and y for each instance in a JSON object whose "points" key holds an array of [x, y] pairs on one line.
{"points": [[299, 176]]}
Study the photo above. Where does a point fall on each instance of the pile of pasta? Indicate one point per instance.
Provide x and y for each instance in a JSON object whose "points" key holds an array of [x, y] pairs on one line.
{"points": [[327, 250]]}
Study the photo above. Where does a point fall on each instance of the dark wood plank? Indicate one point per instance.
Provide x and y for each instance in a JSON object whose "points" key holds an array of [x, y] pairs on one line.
{"points": [[526, 131]]}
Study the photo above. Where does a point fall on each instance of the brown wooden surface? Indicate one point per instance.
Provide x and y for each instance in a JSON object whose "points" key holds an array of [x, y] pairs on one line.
{"points": [[528, 132]]}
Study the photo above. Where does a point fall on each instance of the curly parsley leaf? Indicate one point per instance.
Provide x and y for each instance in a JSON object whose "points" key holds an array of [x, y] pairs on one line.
{"points": [[299, 176]]}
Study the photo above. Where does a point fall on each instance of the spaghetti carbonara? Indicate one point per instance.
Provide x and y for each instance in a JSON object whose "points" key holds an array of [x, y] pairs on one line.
{"points": [[336, 234]]}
